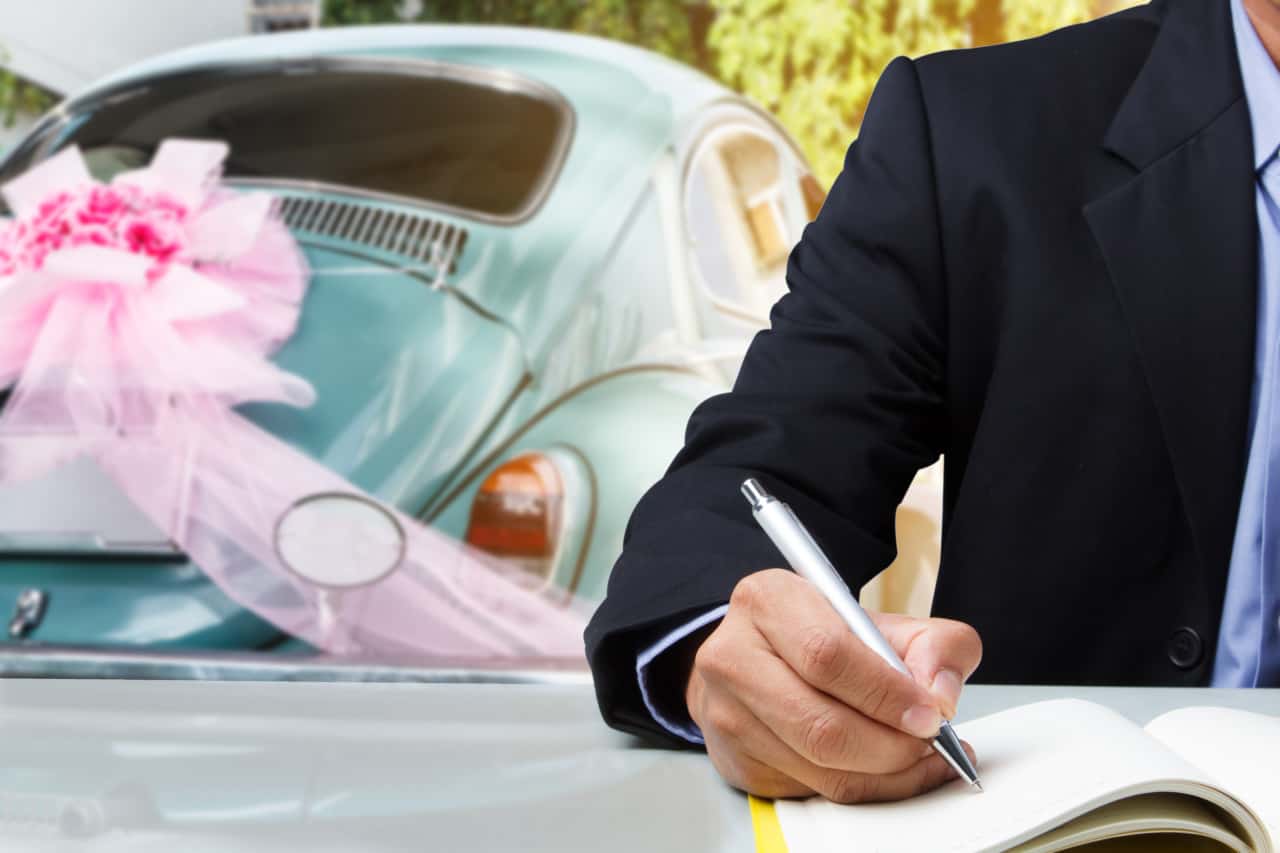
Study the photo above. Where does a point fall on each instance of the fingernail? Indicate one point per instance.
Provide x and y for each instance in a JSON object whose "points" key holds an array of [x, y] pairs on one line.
{"points": [[922, 721], [946, 686]]}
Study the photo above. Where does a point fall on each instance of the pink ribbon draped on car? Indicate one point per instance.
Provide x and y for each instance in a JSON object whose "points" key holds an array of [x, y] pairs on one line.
{"points": [[134, 317]]}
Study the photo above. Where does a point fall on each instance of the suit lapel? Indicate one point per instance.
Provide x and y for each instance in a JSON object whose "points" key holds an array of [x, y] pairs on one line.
{"points": [[1180, 242]]}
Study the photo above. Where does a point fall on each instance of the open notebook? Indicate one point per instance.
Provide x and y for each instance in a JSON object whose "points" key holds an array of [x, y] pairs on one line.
{"points": [[1072, 775]]}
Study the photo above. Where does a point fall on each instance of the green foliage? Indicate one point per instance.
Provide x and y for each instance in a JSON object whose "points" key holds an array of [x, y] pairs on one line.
{"points": [[20, 97], [1023, 19], [813, 63], [664, 26], [355, 12]]}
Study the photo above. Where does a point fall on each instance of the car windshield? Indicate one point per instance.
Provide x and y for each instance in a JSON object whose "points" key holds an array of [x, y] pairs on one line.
{"points": [[460, 138]]}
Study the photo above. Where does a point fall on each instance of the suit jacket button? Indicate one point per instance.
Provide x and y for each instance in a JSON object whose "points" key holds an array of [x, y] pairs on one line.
{"points": [[1185, 648]]}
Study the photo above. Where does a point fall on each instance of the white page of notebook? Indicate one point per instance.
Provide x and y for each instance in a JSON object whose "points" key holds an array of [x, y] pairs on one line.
{"points": [[1239, 749], [1040, 765]]}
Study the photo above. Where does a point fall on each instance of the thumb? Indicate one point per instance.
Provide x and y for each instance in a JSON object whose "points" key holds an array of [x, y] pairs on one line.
{"points": [[941, 654]]}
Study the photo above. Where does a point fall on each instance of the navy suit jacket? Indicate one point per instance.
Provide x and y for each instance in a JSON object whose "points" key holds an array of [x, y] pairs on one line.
{"points": [[1040, 260]]}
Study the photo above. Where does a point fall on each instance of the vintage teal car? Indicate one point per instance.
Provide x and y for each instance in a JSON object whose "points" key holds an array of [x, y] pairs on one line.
{"points": [[533, 255]]}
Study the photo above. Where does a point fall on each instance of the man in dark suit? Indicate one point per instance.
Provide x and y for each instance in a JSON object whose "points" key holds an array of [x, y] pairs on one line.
{"points": [[1057, 262]]}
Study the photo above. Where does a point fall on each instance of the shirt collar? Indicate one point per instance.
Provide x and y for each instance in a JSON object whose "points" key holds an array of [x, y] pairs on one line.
{"points": [[1261, 86]]}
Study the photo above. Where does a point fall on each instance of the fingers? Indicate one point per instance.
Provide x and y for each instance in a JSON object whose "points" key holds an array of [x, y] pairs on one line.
{"points": [[763, 765], [790, 702], [810, 636], [941, 653], [923, 776], [825, 732], [749, 756]]}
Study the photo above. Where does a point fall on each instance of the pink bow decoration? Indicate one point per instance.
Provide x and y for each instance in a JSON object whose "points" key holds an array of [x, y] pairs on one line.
{"points": [[134, 317]]}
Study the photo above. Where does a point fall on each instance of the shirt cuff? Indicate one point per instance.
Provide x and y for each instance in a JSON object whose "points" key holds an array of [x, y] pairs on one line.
{"points": [[685, 729]]}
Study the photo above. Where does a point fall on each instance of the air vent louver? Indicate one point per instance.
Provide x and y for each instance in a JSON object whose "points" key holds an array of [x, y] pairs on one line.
{"points": [[430, 242]]}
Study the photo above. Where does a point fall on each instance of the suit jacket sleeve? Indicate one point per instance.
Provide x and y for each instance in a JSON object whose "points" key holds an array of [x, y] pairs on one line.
{"points": [[835, 408]]}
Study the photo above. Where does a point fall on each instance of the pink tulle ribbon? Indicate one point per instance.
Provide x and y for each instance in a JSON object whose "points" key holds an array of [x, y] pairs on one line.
{"points": [[133, 317]]}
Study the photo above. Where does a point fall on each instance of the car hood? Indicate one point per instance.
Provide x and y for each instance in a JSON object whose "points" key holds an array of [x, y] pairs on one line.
{"points": [[408, 377]]}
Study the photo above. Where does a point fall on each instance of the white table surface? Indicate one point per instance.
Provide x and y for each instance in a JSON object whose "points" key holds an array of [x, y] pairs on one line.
{"points": [[208, 766]]}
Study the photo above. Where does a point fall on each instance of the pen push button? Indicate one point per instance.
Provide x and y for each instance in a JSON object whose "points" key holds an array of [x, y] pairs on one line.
{"points": [[1185, 648]]}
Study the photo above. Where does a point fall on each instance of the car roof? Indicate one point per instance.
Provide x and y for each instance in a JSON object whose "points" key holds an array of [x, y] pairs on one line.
{"points": [[556, 58], [629, 105]]}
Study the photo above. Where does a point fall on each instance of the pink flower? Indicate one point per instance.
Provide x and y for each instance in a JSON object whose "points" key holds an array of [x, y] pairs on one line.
{"points": [[40, 241], [153, 236], [33, 258], [101, 206], [94, 234], [123, 217], [168, 206], [53, 207], [54, 214]]}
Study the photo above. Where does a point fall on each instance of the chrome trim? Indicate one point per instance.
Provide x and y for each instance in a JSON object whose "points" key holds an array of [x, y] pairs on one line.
{"points": [[80, 546], [693, 139], [700, 125], [394, 232], [343, 221], [501, 79], [455, 486], [334, 209], [434, 229], [410, 271], [28, 612], [422, 235], [592, 512], [35, 661], [363, 235], [334, 495]]}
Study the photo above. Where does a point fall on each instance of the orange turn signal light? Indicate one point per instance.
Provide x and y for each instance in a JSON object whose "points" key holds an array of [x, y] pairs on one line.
{"points": [[516, 514]]}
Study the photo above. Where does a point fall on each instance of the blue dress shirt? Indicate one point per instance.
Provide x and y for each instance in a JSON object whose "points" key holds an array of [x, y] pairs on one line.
{"points": [[1249, 640]]}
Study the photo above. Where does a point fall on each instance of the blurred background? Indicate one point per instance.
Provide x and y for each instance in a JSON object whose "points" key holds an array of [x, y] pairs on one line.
{"points": [[812, 63], [598, 195]]}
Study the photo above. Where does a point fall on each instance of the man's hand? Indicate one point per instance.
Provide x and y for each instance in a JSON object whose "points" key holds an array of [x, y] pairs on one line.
{"points": [[792, 704]]}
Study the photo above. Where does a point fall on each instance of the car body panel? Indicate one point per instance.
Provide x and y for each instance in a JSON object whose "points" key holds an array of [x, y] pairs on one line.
{"points": [[623, 425], [626, 111], [387, 354], [122, 602], [576, 330]]}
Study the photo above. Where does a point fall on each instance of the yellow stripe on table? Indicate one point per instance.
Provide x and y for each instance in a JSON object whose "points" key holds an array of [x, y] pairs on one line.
{"points": [[764, 820]]}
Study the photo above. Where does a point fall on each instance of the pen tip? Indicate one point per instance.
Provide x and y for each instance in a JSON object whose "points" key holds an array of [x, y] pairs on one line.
{"points": [[978, 785]]}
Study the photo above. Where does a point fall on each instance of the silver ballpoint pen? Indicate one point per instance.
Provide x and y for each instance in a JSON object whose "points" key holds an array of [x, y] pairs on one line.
{"points": [[809, 561]]}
